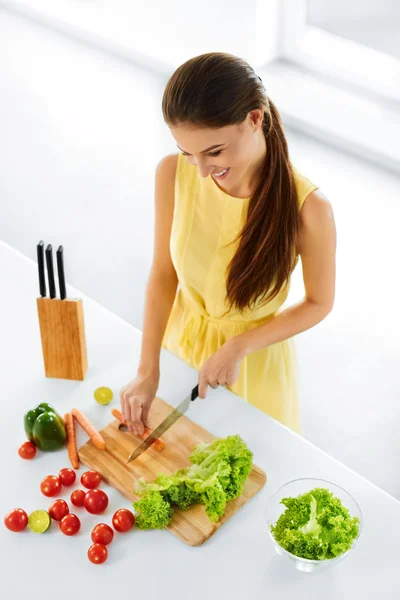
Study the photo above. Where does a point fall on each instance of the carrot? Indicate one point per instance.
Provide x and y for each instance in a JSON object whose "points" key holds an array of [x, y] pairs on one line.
{"points": [[86, 425], [117, 414], [71, 440], [158, 444]]}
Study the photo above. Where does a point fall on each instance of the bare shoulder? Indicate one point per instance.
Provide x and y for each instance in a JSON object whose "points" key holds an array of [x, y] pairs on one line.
{"points": [[316, 206], [316, 217], [166, 167]]}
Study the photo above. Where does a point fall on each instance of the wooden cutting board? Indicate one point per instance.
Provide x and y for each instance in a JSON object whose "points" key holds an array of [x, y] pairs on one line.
{"points": [[192, 526]]}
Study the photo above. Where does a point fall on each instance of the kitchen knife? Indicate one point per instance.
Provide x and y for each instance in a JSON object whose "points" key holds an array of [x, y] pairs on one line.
{"points": [[61, 274], [50, 271], [166, 424], [40, 259]]}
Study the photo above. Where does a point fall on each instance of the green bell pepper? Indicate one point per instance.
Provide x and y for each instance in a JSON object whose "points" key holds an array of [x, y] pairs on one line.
{"points": [[45, 428]]}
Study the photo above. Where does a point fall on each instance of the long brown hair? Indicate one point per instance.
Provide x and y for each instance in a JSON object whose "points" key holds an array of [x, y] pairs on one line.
{"points": [[218, 89]]}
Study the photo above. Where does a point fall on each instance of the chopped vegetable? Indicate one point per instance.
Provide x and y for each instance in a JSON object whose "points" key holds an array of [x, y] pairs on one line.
{"points": [[315, 525], [94, 435], [39, 521], [158, 444], [71, 440], [45, 428], [217, 475]]}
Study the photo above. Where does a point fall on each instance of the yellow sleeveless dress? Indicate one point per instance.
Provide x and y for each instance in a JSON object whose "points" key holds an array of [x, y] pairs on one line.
{"points": [[205, 219]]}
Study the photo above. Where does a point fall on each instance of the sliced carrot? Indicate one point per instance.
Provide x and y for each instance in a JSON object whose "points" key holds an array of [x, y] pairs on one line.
{"points": [[71, 440], [87, 426], [158, 444]]}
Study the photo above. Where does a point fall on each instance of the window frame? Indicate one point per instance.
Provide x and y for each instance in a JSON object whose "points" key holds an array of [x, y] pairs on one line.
{"points": [[335, 57]]}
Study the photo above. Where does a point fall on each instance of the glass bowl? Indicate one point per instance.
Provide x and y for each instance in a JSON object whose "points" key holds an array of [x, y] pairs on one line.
{"points": [[300, 486]]}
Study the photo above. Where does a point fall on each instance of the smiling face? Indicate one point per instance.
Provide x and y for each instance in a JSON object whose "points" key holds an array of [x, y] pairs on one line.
{"points": [[239, 148]]}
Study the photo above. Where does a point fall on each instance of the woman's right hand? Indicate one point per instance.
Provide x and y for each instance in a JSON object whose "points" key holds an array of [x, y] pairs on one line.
{"points": [[136, 399]]}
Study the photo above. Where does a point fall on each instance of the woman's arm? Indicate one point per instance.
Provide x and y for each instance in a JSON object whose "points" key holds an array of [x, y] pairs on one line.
{"points": [[317, 248]]}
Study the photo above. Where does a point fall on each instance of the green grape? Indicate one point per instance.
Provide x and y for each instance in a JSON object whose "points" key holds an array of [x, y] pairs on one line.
{"points": [[103, 395]]}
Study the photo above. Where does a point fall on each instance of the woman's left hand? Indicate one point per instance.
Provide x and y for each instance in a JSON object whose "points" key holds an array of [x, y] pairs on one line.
{"points": [[222, 368]]}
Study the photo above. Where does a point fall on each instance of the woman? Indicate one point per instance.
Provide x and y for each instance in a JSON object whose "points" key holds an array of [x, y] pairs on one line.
{"points": [[232, 217]]}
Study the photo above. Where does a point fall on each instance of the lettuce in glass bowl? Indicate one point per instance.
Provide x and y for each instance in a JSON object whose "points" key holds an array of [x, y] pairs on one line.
{"points": [[313, 522]]}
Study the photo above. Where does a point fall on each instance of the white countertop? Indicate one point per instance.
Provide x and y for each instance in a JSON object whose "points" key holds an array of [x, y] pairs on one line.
{"points": [[238, 561]]}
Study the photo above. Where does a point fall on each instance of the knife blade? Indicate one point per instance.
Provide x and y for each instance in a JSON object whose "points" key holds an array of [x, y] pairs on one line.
{"points": [[61, 274], [40, 259], [50, 271], [166, 424]]}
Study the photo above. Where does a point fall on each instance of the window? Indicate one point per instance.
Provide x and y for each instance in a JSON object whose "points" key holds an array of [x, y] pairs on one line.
{"points": [[356, 41]]}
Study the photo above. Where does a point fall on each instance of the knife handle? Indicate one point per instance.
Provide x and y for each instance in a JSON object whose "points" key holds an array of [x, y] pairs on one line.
{"points": [[40, 259], [61, 274], [50, 271], [195, 392]]}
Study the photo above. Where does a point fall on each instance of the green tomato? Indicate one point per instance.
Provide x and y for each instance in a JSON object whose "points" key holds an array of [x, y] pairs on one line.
{"points": [[103, 395]]}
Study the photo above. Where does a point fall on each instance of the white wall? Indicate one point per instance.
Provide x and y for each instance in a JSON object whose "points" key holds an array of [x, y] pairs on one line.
{"points": [[81, 134]]}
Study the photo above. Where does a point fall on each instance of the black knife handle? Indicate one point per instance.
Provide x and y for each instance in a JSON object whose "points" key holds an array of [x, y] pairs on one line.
{"points": [[40, 259], [61, 274], [50, 271], [195, 392]]}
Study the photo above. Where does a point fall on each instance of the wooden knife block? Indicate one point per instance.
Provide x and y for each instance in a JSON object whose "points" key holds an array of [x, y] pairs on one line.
{"points": [[62, 331]]}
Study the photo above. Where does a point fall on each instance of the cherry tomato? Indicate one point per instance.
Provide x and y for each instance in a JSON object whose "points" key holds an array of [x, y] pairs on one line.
{"points": [[27, 450], [67, 476], [91, 479], [78, 497], [97, 554], [123, 520], [70, 524], [96, 501], [102, 534], [16, 520], [50, 486], [58, 510]]}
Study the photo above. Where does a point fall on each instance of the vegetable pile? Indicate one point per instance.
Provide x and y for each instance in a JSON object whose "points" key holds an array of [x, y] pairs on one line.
{"points": [[217, 475], [94, 500], [315, 525]]}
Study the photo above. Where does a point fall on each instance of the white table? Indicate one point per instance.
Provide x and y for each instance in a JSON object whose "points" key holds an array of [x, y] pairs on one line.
{"points": [[238, 561]]}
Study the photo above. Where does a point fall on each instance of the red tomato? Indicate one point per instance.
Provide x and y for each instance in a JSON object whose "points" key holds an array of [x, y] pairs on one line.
{"points": [[97, 554], [123, 520], [27, 450], [58, 510], [16, 520], [96, 501], [78, 497], [70, 524], [102, 534], [91, 479], [67, 476], [50, 486]]}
